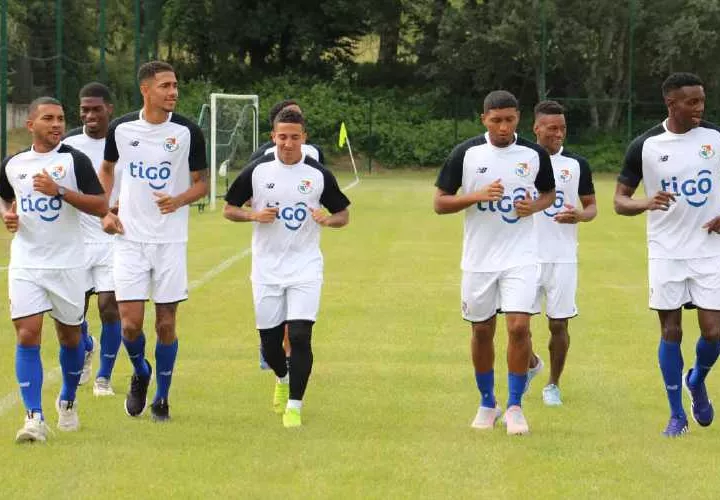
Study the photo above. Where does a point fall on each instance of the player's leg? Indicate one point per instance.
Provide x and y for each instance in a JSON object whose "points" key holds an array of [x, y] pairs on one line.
{"points": [[558, 345], [68, 303], [87, 339], [479, 301], [705, 292], [518, 287], [29, 373], [544, 282], [668, 292], [303, 302], [132, 277], [170, 287], [110, 340]]}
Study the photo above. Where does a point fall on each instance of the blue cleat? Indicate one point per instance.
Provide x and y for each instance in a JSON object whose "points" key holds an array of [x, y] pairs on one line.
{"points": [[702, 408], [676, 427]]}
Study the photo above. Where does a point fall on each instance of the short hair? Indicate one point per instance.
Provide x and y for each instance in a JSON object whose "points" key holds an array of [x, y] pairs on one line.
{"points": [[289, 116], [679, 80], [549, 108], [96, 89], [152, 68], [500, 99], [279, 107], [34, 105]]}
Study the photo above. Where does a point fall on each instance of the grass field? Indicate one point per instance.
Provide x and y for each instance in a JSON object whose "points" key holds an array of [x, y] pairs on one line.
{"points": [[392, 394]]}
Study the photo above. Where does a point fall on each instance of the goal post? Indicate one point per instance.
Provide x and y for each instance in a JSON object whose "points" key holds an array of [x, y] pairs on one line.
{"points": [[234, 132]]}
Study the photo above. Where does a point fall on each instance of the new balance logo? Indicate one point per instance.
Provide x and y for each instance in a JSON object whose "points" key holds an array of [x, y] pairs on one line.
{"points": [[664, 158], [135, 143], [75, 373], [24, 384], [270, 185], [22, 176], [165, 374], [481, 170], [672, 387]]}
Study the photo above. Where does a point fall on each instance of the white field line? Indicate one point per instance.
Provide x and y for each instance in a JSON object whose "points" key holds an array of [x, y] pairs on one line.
{"points": [[13, 398]]}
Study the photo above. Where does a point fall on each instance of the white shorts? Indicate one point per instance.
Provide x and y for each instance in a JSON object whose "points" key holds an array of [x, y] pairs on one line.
{"points": [[150, 270], [59, 291], [512, 290], [675, 282], [557, 285], [99, 267], [275, 304]]}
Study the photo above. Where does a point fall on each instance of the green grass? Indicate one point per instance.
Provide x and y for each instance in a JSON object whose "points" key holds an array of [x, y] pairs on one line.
{"points": [[392, 393]]}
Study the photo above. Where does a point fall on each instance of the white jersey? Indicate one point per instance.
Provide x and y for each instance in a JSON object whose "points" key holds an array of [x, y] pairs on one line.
{"points": [[94, 149], [154, 159], [49, 235], [687, 165], [287, 250], [496, 238], [557, 243]]}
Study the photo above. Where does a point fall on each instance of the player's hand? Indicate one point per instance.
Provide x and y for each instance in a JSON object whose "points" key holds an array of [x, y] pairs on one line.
{"points": [[571, 215], [265, 216], [320, 216], [44, 184], [491, 192], [661, 201], [11, 219], [523, 207], [111, 224], [713, 226], [166, 203]]}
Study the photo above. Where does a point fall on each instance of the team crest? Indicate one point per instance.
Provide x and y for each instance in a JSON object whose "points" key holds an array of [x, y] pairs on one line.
{"points": [[58, 172], [305, 187], [171, 144], [565, 175], [522, 169], [706, 151]]}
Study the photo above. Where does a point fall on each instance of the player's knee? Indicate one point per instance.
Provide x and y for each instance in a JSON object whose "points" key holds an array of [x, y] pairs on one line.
{"points": [[27, 337], [131, 328], [483, 332], [711, 333], [672, 332], [518, 332], [165, 329], [108, 308], [300, 333], [558, 327]]}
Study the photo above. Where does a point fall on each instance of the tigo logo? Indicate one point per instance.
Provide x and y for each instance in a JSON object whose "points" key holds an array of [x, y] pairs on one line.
{"points": [[695, 191], [42, 205], [156, 175]]}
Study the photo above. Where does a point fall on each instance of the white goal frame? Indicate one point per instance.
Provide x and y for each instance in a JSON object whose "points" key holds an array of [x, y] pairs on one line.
{"points": [[213, 135]]}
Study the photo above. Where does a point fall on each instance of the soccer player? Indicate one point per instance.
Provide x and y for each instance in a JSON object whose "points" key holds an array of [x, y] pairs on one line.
{"points": [[96, 108], [678, 162], [497, 172], [287, 192], [557, 224], [43, 190], [162, 159], [311, 150]]}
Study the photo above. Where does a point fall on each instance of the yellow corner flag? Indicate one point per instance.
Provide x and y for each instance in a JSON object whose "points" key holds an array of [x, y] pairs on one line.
{"points": [[343, 135]]}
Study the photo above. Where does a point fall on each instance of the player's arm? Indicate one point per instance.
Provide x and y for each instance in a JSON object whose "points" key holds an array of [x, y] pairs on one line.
{"points": [[239, 193], [628, 181], [586, 193], [545, 186], [335, 201], [8, 206], [106, 175], [89, 198]]}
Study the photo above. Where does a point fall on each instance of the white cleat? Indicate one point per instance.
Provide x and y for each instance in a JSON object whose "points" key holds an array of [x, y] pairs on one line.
{"points": [[486, 417], [551, 395], [68, 419], [102, 387], [515, 421], [87, 365], [34, 430], [534, 372]]}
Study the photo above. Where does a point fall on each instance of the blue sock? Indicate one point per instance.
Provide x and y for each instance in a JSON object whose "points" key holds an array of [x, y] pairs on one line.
{"points": [[671, 366], [86, 338], [29, 373], [516, 388], [136, 352], [486, 385], [707, 354], [110, 340], [165, 355], [71, 363]]}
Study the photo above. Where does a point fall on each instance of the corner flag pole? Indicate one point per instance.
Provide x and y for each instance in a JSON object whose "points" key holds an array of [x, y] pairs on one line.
{"points": [[342, 140]]}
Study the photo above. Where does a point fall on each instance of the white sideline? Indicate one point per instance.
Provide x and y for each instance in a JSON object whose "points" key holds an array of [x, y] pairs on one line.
{"points": [[11, 399]]}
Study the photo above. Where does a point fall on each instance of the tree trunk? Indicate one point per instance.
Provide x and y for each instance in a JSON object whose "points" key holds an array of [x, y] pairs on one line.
{"points": [[431, 33], [390, 33]]}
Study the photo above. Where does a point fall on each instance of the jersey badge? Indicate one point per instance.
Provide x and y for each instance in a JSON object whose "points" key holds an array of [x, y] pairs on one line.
{"points": [[522, 169], [305, 186], [706, 151], [565, 175], [58, 172], [171, 144]]}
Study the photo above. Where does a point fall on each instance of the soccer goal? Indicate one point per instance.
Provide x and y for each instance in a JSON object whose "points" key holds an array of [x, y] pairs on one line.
{"points": [[233, 137]]}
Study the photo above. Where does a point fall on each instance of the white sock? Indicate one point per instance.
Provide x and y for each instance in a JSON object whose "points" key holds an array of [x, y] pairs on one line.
{"points": [[285, 379], [294, 404]]}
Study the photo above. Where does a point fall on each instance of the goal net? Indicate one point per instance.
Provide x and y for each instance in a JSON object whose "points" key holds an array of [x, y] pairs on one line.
{"points": [[231, 122]]}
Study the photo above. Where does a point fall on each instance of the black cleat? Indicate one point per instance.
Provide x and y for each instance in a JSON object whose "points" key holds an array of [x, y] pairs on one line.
{"points": [[160, 410], [136, 399]]}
